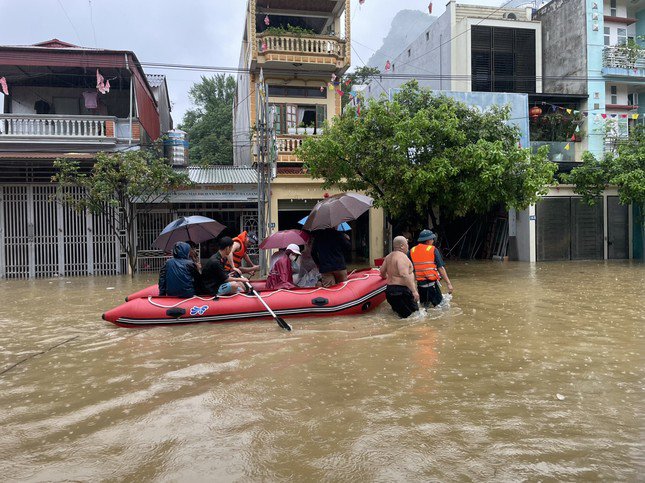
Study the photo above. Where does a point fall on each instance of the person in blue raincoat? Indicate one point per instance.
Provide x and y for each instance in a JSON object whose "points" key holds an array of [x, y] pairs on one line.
{"points": [[179, 277]]}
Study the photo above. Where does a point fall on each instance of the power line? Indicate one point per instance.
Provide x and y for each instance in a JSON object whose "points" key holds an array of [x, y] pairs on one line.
{"points": [[92, 23], [70, 22]]}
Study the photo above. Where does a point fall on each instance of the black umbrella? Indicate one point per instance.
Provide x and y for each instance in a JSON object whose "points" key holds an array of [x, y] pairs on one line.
{"points": [[196, 229], [332, 211]]}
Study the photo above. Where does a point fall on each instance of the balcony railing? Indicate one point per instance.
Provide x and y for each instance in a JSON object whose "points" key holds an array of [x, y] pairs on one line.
{"points": [[287, 144], [307, 45], [620, 57], [38, 126], [557, 151]]}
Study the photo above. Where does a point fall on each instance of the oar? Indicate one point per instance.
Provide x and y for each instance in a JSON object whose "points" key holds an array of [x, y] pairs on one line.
{"points": [[281, 322]]}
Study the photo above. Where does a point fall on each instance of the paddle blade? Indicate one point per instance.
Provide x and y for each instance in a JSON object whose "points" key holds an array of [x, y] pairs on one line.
{"points": [[283, 323]]}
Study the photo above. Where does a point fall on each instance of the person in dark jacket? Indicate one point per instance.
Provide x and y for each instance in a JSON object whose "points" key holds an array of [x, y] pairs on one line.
{"points": [[179, 276], [327, 252]]}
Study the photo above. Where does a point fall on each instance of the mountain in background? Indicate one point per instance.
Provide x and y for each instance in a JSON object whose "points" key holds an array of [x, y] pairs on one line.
{"points": [[406, 26]]}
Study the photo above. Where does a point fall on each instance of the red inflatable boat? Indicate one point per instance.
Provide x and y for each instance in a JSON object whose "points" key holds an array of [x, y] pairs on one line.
{"points": [[364, 291]]}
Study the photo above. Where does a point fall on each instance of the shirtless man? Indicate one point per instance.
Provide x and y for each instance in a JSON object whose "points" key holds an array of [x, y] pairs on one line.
{"points": [[401, 292]]}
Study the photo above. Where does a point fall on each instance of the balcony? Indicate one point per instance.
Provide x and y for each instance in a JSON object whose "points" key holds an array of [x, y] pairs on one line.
{"points": [[286, 145], [313, 52], [621, 61], [557, 151], [21, 129]]}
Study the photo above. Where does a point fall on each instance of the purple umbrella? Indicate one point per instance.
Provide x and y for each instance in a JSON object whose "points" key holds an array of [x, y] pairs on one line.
{"points": [[284, 238], [196, 229], [332, 211]]}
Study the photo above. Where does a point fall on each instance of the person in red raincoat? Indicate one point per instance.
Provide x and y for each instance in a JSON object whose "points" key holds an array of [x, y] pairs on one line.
{"points": [[281, 275]]}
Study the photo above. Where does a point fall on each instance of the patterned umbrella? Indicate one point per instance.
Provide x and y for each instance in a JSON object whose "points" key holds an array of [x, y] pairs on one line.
{"points": [[284, 238], [196, 229], [332, 211]]}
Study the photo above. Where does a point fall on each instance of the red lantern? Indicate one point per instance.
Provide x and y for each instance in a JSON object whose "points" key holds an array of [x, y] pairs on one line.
{"points": [[535, 112]]}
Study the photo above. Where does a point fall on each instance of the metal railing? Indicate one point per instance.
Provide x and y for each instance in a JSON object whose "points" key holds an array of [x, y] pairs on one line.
{"points": [[620, 57], [53, 126], [315, 45]]}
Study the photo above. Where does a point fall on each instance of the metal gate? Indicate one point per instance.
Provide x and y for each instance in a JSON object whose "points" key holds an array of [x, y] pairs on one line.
{"points": [[617, 229], [40, 237], [569, 229]]}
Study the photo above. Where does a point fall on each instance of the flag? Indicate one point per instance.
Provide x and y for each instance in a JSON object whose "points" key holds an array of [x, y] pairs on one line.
{"points": [[576, 112], [577, 128], [322, 89], [568, 111], [634, 116], [573, 137], [567, 147], [339, 92], [348, 82], [585, 113], [604, 116]]}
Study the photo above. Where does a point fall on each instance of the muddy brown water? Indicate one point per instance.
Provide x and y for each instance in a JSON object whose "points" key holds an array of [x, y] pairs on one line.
{"points": [[534, 372]]}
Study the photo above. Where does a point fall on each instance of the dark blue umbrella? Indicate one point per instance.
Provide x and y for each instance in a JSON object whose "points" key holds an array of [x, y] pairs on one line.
{"points": [[196, 229]]}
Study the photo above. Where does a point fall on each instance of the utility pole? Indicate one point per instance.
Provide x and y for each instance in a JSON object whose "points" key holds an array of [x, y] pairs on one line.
{"points": [[265, 152]]}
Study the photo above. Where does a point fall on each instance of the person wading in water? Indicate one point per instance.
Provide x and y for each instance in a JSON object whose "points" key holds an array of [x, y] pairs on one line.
{"points": [[428, 265], [401, 292]]}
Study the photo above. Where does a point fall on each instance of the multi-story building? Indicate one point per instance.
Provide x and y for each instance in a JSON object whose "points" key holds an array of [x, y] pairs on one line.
{"points": [[52, 108], [590, 48], [295, 47]]}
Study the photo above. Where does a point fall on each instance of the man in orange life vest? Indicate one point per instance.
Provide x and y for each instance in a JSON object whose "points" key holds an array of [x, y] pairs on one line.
{"points": [[240, 244], [429, 269]]}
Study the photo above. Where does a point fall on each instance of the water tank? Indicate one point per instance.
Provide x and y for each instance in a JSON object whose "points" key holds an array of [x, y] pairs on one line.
{"points": [[176, 147]]}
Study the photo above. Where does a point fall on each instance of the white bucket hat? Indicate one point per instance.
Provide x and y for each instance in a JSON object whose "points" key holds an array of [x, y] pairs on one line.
{"points": [[293, 248]]}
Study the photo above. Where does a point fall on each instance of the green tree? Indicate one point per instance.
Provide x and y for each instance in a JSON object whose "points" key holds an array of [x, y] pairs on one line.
{"points": [[210, 124], [422, 154], [625, 169], [119, 186], [360, 76]]}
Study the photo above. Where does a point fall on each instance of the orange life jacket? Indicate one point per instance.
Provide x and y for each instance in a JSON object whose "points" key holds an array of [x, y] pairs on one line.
{"points": [[238, 255], [425, 267]]}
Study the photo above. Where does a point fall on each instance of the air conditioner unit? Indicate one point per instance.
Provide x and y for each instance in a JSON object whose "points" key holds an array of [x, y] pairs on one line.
{"points": [[509, 16]]}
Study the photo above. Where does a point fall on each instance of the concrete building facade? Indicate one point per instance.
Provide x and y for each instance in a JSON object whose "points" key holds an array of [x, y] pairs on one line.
{"points": [[296, 47]]}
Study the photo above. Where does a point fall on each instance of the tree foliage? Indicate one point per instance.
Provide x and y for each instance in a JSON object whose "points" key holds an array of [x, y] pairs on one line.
{"points": [[210, 124], [360, 76], [625, 169], [421, 152], [119, 186]]}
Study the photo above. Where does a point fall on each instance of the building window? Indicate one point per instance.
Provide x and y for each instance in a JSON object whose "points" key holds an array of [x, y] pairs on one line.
{"points": [[503, 59], [614, 95], [291, 118], [612, 8], [622, 36], [632, 99], [607, 36]]}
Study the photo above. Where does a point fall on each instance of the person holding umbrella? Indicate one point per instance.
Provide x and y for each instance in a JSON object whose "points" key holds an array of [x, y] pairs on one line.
{"points": [[179, 277], [281, 275], [328, 251]]}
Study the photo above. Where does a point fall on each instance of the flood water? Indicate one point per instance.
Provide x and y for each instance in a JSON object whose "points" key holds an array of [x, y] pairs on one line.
{"points": [[534, 372]]}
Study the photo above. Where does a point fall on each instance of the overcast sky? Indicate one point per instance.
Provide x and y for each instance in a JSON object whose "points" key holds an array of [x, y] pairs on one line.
{"points": [[201, 32]]}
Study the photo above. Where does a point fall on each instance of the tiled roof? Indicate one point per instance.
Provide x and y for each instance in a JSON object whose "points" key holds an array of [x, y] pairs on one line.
{"points": [[155, 80], [223, 175]]}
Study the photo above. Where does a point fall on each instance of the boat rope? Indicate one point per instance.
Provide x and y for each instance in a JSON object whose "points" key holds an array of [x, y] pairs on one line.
{"points": [[267, 295]]}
